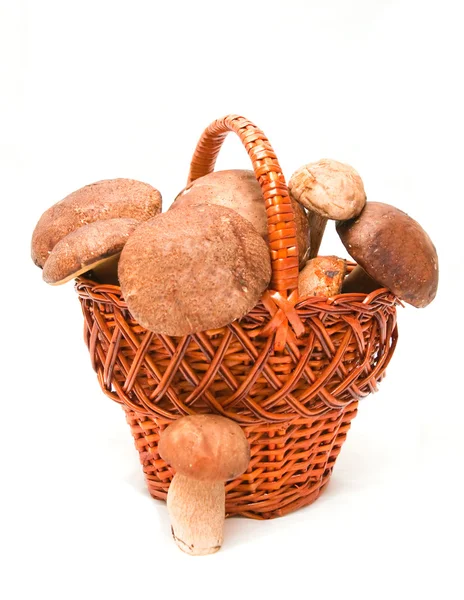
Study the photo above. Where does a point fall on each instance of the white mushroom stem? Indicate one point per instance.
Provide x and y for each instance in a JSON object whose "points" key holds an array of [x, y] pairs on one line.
{"points": [[197, 512], [316, 231]]}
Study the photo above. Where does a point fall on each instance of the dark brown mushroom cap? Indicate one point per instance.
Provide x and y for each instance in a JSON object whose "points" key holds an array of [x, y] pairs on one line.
{"points": [[322, 276], [239, 190], [108, 199], [330, 188], [87, 247], [205, 447], [394, 250], [193, 269]]}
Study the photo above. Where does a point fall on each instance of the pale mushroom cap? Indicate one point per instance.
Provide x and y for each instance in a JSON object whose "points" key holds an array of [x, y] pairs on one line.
{"points": [[239, 190], [322, 276], [330, 188], [236, 189], [205, 447], [86, 248], [193, 269], [394, 250], [108, 199]]}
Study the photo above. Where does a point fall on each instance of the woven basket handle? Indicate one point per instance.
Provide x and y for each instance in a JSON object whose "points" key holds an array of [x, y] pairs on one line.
{"points": [[280, 217]]}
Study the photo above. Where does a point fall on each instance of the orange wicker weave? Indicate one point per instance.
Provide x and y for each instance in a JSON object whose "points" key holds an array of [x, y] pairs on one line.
{"points": [[290, 372]]}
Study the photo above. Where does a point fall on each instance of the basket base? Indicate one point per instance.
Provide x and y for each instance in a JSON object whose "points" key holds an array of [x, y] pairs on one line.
{"points": [[291, 463], [231, 510]]}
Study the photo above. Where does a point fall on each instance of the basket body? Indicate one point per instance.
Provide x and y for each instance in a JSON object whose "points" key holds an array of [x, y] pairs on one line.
{"points": [[291, 462], [290, 372], [295, 405]]}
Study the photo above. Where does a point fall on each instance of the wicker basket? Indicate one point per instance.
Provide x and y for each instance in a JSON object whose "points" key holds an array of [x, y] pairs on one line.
{"points": [[290, 372]]}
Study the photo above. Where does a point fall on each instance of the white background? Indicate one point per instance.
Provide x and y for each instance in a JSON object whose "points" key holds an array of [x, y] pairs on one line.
{"points": [[91, 90]]}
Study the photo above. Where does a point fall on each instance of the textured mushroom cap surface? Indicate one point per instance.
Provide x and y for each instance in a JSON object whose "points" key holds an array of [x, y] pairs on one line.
{"points": [[193, 269], [330, 188], [239, 190], [205, 447], [108, 199], [322, 276], [85, 247], [394, 250]]}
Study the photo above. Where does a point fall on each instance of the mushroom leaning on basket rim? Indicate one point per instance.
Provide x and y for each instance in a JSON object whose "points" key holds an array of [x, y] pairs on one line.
{"points": [[94, 247], [394, 250], [328, 189], [193, 269], [322, 276], [205, 451], [103, 200], [239, 190]]}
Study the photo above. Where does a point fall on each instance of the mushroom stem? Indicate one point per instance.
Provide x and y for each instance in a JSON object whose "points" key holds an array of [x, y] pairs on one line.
{"points": [[317, 225], [359, 282], [197, 512]]}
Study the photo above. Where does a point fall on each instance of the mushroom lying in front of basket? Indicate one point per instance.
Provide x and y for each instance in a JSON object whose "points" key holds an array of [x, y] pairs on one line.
{"points": [[193, 269], [322, 276], [328, 189], [108, 199], [205, 451], [394, 251], [94, 247], [239, 190]]}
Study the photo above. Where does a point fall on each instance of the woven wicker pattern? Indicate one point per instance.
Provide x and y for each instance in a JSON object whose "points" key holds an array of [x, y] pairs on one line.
{"points": [[295, 406], [290, 372], [291, 463], [281, 223]]}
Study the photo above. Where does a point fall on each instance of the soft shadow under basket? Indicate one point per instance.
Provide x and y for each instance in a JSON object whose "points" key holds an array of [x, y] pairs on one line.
{"points": [[290, 372]]}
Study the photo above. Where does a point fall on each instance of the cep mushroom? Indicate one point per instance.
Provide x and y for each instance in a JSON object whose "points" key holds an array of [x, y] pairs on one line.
{"points": [[193, 269], [94, 247], [239, 190], [394, 250], [108, 199], [322, 276], [359, 282], [329, 190], [205, 451]]}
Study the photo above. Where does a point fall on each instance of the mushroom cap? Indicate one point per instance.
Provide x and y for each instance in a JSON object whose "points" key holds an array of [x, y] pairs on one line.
{"points": [[330, 188], [108, 199], [322, 276], [87, 247], [193, 269], [239, 190], [205, 447], [394, 250]]}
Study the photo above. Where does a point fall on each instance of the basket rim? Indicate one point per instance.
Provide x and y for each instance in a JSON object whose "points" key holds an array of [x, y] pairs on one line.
{"points": [[112, 294]]}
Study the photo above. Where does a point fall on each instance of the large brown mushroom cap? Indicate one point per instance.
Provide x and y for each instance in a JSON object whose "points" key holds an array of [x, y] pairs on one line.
{"points": [[205, 447], [193, 269], [108, 199], [239, 190], [85, 248], [394, 250], [330, 188]]}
